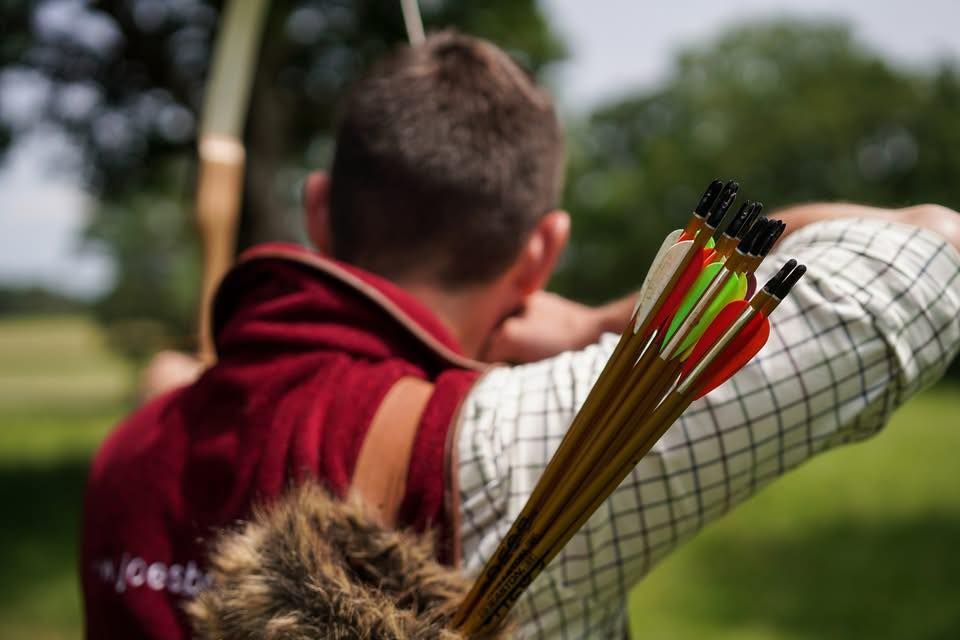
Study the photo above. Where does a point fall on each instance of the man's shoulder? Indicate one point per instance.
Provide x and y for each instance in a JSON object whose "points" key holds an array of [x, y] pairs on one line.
{"points": [[134, 439]]}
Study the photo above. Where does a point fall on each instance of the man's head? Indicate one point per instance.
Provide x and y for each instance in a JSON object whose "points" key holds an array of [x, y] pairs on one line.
{"points": [[447, 171]]}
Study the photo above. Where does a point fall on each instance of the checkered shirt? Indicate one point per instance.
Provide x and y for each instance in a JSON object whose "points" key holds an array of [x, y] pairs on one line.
{"points": [[875, 320]]}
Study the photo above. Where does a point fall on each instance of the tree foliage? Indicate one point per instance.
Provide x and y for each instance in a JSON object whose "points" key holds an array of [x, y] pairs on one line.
{"points": [[796, 111], [124, 80]]}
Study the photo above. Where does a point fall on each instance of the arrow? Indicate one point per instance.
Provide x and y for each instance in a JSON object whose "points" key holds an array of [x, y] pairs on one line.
{"points": [[706, 203], [741, 349], [738, 228], [605, 393], [645, 431], [665, 263], [561, 477], [737, 334], [717, 285], [631, 385], [684, 275], [739, 238], [673, 249]]}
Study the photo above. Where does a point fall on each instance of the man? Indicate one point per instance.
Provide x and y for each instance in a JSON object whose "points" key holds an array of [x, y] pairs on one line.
{"points": [[441, 212]]}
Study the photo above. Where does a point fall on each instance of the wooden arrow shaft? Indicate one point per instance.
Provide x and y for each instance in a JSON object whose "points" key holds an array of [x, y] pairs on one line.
{"points": [[644, 434]]}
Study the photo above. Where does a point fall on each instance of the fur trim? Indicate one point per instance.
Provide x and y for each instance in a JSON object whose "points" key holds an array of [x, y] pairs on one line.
{"points": [[310, 567]]}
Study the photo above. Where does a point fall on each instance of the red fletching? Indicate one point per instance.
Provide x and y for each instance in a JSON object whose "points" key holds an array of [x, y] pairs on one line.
{"points": [[676, 296], [735, 355], [741, 351], [724, 320]]}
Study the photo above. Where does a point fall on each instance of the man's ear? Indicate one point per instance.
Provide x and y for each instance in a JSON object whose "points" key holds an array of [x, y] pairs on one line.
{"points": [[316, 205], [539, 255]]}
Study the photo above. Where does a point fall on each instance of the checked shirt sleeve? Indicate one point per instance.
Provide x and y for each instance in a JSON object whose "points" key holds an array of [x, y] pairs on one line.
{"points": [[876, 319]]}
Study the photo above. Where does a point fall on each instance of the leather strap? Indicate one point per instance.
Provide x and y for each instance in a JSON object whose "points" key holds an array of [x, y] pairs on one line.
{"points": [[380, 476]]}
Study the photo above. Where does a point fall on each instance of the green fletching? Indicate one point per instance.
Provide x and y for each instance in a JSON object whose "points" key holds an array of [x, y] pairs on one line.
{"points": [[734, 289], [710, 244], [690, 300]]}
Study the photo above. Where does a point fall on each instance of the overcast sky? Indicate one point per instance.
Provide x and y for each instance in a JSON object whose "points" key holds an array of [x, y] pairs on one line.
{"points": [[616, 47]]}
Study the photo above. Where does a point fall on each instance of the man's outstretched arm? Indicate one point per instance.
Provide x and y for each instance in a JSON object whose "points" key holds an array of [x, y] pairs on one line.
{"points": [[551, 324], [941, 220], [876, 319]]}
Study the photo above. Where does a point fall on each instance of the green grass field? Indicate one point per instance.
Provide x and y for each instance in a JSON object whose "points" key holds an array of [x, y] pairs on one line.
{"points": [[859, 543], [60, 391]]}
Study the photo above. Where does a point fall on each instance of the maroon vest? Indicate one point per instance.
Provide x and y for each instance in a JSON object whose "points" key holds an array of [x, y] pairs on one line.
{"points": [[307, 350]]}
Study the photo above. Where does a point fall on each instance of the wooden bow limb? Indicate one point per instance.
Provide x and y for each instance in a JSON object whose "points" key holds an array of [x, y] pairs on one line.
{"points": [[221, 152], [219, 190]]}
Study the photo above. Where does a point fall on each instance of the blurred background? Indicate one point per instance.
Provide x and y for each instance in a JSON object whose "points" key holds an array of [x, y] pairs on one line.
{"points": [[799, 99]]}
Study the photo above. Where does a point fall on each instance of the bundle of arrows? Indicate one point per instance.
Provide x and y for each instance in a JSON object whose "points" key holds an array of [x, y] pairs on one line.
{"points": [[698, 320]]}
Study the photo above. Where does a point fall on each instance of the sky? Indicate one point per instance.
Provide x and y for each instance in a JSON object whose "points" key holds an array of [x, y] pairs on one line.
{"points": [[618, 46], [615, 47]]}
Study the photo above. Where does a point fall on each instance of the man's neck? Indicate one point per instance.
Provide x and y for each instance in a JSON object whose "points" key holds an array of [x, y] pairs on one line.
{"points": [[462, 312]]}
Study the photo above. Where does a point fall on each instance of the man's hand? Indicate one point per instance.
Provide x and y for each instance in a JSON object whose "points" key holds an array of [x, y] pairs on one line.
{"points": [[549, 325], [168, 370]]}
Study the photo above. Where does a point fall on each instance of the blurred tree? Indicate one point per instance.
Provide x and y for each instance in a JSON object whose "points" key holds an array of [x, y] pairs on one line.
{"points": [[31, 300], [795, 111], [124, 79]]}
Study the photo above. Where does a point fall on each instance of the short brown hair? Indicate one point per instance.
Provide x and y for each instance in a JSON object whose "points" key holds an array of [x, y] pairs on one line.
{"points": [[447, 154]]}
